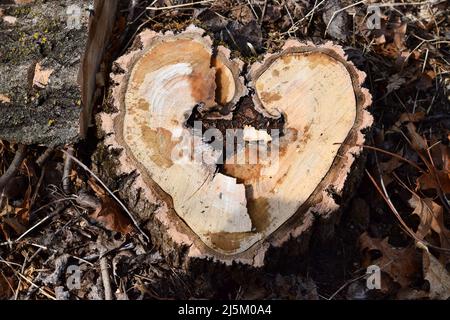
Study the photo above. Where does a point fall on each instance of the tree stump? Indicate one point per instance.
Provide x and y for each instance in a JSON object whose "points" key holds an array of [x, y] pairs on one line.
{"points": [[230, 195], [49, 58]]}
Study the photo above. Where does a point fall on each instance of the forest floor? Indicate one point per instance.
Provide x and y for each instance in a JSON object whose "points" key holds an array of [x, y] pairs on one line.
{"points": [[57, 222]]}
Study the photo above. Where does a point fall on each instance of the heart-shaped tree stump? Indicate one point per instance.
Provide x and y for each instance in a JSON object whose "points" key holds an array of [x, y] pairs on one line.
{"points": [[230, 195]]}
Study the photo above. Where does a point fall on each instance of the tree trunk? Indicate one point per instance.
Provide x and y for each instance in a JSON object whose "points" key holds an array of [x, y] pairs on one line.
{"points": [[232, 196]]}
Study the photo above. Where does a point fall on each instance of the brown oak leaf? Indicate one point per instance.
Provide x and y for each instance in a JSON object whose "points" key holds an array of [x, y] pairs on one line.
{"points": [[109, 214], [431, 218], [438, 277], [401, 264]]}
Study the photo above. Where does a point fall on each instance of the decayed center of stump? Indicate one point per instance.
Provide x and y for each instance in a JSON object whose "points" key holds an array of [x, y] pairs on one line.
{"points": [[308, 97]]}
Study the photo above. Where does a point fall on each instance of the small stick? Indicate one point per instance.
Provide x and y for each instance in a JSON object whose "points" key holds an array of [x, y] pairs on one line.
{"points": [[14, 166], [105, 276], [294, 28], [67, 170], [51, 215], [253, 9], [392, 154], [41, 290], [382, 191], [401, 4], [263, 13], [425, 61], [355, 279], [56, 251], [135, 222], [179, 5], [44, 157], [18, 274], [38, 186]]}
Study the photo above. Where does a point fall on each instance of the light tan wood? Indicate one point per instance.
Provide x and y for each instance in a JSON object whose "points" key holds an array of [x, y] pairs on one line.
{"points": [[166, 83], [315, 94], [236, 214]]}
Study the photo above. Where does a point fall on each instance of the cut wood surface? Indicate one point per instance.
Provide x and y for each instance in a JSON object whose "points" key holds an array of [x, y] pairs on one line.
{"points": [[236, 211]]}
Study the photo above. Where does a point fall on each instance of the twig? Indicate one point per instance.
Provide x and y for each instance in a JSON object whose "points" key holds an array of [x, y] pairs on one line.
{"points": [[311, 12], [67, 187], [22, 270], [56, 212], [14, 166], [431, 170], [36, 286], [404, 226], [289, 15], [263, 13], [131, 8], [402, 4], [38, 186], [56, 251], [253, 9], [52, 203], [105, 278], [18, 274], [392, 155], [353, 280], [425, 61], [135, 222], [179, 5], [44, 157]]}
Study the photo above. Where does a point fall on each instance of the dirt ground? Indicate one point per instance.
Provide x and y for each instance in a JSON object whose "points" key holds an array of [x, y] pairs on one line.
{"points": [[58, 225]]}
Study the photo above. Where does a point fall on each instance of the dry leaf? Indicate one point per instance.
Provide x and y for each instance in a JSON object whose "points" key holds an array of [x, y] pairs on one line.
{"points": [[440, 155], [41, 76], [438, 277], [426, 80], [436, 179], [4, 232], [427, 210], [23, 212], [401, 264], [442, 181], [431, 218], [388, 167], [109, 214], [4, 98], [378, 40], [395, 82], [19, 221], [417, 141], [15, 224], [410, 117]]}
